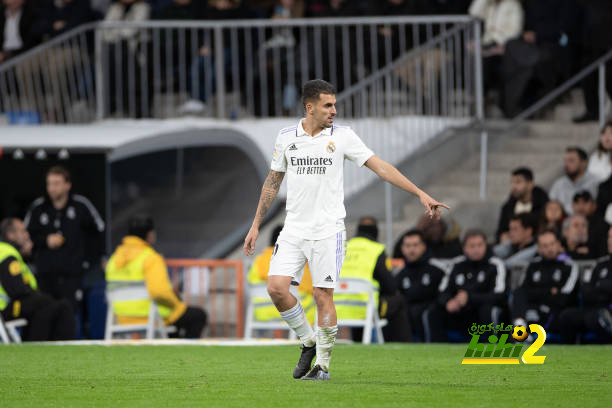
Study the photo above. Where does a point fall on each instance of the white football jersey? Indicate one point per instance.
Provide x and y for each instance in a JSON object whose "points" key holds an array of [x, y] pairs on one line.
{"points": [[314, 168]]}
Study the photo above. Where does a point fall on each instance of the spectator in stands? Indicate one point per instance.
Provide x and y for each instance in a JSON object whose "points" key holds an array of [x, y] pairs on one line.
{"points": [[599, 162], [598, 229], [596, 290], [366, 259], [16, 21], [419, 280], [441, 237], [62, 226], [604, 197], [48, 319], [539, 52], [520, 248], [576, 237], [553, 217], [547, 286], [503, 21], [135, 261], [596, 41], [59, 16], [202, 69], [525, 197], [258, 274], [476, 285], [128, 45], [576, 178]]}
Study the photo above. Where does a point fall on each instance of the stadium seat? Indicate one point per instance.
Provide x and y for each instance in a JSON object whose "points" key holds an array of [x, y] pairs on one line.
{"points": [[8, 330], [371, 321], [154, 324], [258, 291]]}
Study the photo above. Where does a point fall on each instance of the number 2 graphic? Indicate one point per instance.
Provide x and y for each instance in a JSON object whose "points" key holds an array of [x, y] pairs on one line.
{"points": [[528, 355]]}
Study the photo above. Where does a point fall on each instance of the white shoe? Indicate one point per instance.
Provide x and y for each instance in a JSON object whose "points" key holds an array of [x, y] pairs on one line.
{"points": [[192, 106]]}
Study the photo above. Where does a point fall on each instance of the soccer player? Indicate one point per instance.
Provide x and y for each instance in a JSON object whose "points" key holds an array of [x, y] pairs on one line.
{"points": [[312, 153]]}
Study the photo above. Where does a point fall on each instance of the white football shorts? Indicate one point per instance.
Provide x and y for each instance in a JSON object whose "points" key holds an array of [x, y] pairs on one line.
{"points": [[324, 256]]}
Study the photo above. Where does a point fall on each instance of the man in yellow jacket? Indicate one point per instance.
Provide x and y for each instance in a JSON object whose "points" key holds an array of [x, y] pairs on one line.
{"points": [[135, 262], [258, 274]]}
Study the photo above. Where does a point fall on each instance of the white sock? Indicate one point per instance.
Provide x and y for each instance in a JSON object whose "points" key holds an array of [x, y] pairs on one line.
{"points": [[326, 337], [296, 319]]}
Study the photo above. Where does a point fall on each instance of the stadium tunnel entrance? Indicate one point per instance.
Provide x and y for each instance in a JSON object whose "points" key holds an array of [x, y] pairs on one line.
{"points": [[198, 184]]}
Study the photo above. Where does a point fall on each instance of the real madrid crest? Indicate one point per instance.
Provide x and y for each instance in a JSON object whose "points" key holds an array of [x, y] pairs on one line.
{"points": [[331, 147]]}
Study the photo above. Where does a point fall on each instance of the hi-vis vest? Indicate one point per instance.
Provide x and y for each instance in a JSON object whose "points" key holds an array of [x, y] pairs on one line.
{"points": [[264, 309], [131, 275], [359, 264], [7, 250]]}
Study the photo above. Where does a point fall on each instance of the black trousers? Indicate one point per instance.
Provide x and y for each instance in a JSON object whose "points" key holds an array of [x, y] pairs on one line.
{"points": [[574, 321], [437, 320], [190, 324], [416, 313], [48, 319], [65, 287], [397, 329], [547, 316]]}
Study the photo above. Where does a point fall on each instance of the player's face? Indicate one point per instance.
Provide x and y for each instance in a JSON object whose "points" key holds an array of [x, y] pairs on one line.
{"points": [[475, 248], [554, 212], [413, 248], [324, 110], [21, 237], [57, 186], [519, 186], [548, 246]]}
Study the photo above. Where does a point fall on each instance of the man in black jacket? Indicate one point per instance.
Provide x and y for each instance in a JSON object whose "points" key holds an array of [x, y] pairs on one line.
{"points": [[419, 280], [547, 286], [476, 285], [525, 197], [596, 290], [62, 224], [16, 23]]}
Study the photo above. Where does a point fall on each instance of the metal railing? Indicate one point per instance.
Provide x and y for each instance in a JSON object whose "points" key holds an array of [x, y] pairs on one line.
{"points": [[382, 66], [598, 65]]}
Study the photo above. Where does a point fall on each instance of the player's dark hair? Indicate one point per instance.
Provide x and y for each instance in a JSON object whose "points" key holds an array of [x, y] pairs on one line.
{"points": [[582, 155], [527, 220], [62, 171], [550, 231], [414, 233], [525, 172], [471, 233], [312, 89], [275, 233], [7, 226], [140, 225]]}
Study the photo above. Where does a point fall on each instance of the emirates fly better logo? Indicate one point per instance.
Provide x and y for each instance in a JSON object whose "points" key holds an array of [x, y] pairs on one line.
{"points": [[498, 351]]}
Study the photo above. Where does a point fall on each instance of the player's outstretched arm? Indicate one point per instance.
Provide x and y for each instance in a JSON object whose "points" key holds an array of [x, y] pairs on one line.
{"points": [[388, 172], [268, 194]]}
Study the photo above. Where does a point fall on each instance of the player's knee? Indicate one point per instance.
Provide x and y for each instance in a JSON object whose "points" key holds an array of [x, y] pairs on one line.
{"points": [[277, 291]]}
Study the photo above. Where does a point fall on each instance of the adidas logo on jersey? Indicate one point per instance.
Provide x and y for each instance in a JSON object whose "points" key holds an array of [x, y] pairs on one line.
{"points": [[329, 279], [292, 147]]}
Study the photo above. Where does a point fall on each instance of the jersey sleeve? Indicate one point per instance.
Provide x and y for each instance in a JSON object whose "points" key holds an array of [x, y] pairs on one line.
{"points": [[279, 161], [356, 150]]}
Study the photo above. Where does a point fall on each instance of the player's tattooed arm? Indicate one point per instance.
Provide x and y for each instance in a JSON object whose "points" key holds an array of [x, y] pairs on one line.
{"points": [[268, 194]]}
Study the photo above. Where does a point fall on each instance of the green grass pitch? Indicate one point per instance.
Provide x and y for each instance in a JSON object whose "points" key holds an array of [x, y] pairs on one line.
{"points": [[390, 375]]}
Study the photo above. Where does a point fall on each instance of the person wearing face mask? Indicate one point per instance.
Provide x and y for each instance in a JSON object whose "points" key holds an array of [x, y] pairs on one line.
{"points": [[475, 289], [47, 318], [419, 280], [366, 259]]}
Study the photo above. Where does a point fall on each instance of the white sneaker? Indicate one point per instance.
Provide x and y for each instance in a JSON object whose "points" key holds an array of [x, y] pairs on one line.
{"points": [[192, 106]]}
